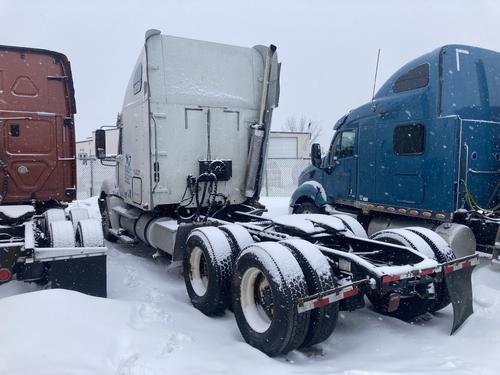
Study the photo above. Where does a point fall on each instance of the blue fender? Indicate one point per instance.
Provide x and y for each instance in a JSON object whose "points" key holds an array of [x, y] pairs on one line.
{"points": [[311, 190]]}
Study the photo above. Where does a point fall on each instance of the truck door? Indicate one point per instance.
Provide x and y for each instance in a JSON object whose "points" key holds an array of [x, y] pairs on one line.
{"points": [[343, 163], [29, 148]]}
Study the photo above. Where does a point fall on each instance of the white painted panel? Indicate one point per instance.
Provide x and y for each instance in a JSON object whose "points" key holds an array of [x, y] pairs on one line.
{"points": [[282, 148]]}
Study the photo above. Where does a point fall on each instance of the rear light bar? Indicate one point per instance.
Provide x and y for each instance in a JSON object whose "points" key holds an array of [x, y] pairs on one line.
{"points": [[391, 278], [465, 262], [454, 265], [329, 296]]}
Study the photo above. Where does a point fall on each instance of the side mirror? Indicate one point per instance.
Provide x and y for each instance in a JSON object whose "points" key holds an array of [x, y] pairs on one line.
{"points": [[100, 144], [316, 155]]}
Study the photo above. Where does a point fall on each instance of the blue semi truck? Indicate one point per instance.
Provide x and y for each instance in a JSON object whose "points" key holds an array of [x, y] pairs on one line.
{"points": [[425, 151]]}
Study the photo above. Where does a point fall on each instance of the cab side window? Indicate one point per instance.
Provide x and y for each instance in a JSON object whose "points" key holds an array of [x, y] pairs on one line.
{"points": [[414, 79], [343, 145], [409, 140]]}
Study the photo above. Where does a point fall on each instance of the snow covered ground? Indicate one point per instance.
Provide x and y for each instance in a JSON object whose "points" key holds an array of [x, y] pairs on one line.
{"points": [[147, 326]]}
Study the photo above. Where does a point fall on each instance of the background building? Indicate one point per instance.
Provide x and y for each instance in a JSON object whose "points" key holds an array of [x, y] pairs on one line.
{"points": [[288, 155]]}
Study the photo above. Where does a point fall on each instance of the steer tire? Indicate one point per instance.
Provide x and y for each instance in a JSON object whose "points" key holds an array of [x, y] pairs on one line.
{"points": [[106, 221], [319, 278], [207, 267], [307, 207], [442, 253], [267, 286]]}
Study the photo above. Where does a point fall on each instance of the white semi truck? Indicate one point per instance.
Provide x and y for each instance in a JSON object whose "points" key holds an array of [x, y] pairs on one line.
{"points": [[193, 139]]}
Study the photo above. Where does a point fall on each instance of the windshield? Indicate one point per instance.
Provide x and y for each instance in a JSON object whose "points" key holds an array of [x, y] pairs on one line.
{"points": [[471, 83]]}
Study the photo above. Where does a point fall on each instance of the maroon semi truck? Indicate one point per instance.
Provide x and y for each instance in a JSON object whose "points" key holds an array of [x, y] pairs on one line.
{"points": [[37, 108], [39, 240]]}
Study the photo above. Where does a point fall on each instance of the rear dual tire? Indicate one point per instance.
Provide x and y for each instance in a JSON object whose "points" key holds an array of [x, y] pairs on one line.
{"points": [[265, 298], [208, 269], [263, 287], [89, 233], [319, 278], [442, 253], [430, 244]]}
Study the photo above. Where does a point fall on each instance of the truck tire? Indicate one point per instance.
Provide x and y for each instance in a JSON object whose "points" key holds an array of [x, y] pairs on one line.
{"points": [[352, 225], [207, 267], [307, 207], [409, 306], [442, 253], [61, 234], [76, 214], [89, 233], [53, 215], [319, 278], [238, 236], [267, 285], [106, 222]]}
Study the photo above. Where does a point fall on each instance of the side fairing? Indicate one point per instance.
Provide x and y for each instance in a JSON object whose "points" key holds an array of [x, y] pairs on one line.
{"points": [[133, 163]]}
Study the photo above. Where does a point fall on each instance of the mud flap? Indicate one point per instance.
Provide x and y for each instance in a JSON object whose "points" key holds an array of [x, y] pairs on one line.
{"points": [[84, 274], [457, 276]]}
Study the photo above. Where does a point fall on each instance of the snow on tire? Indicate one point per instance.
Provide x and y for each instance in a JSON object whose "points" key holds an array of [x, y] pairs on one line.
{"points": [[239, 237], [352, 225], [267, 285], [52, 215], [61, 234], [76, 214], [406, 238], [207, 267], [89, 233], [105, 220], [442, 253], [409, 306], [319, 278]]}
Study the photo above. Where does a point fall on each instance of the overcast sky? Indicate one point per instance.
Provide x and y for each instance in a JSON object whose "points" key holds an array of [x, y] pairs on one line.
{"points": [[328, 48]]}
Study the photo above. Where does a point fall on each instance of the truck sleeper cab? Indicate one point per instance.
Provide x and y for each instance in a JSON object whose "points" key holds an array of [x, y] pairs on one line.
{"points": [[37, 142], [38, 241], [426, 150], [197, 114]]}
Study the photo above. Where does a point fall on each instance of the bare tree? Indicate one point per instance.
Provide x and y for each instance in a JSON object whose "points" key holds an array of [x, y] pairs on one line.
{"points": [[304, 125]]}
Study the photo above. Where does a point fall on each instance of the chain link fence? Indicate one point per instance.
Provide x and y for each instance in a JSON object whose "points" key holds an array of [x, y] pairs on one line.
{"points": [[280, 176], [90, 174]]}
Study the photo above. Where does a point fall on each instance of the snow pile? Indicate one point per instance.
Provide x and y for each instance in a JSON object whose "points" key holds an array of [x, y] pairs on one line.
{"points": [[16, 211], [64, 332]]}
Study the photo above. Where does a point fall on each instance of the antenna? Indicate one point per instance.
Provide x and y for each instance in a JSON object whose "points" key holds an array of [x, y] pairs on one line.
{"points": [[375, 81]]}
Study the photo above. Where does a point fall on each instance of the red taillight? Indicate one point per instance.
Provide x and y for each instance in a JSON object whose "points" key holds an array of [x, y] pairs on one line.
{"points": [[5, 275], [393, 304], [390, 279]]}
